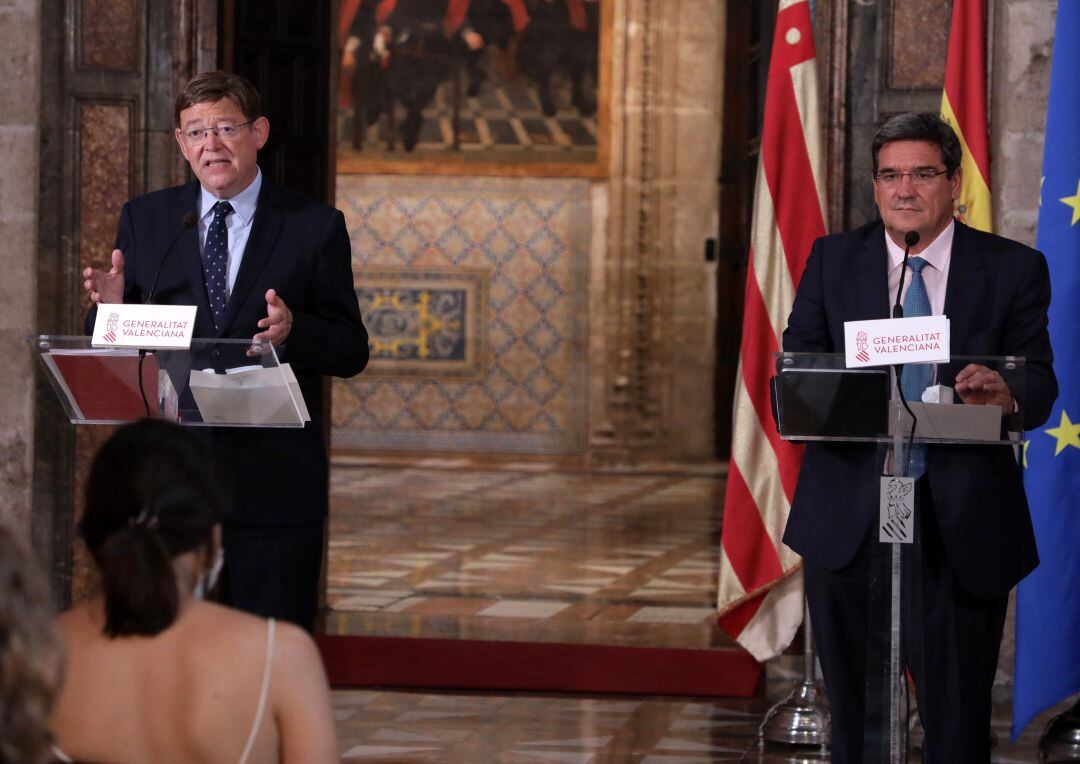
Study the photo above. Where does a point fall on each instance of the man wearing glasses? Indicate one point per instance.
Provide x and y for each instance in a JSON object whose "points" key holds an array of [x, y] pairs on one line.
{"points": [[975, 540], [260, 263]]}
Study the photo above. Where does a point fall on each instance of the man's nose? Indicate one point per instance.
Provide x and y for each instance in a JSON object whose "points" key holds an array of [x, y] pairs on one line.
{"points": [[906, 186], [212, 139]]}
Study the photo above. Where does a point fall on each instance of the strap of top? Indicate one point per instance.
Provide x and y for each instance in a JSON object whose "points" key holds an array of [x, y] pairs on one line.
{"points": [[263, 692]]}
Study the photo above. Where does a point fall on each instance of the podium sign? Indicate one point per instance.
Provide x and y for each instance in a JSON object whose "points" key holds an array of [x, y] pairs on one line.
{"points": [[145, 327], [890, 341]]}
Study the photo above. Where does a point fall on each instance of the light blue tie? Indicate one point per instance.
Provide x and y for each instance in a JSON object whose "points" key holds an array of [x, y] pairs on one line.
{"points": [[216, 261], [916, 377]]}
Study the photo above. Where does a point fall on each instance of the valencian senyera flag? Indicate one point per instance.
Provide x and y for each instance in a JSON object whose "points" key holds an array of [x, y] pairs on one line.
{"points": [[1048, 600], [760, 580], [963, 105]]}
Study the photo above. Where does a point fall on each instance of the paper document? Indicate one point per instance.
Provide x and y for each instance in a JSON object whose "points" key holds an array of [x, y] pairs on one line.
{"points": [[251, 395]]}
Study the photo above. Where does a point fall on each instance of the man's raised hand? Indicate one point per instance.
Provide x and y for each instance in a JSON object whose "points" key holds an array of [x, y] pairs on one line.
{"points": [[278, 321], [106, 286]]}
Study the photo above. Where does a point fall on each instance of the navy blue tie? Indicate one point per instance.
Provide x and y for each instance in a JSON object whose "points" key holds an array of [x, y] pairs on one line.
{"points": [[216, 261], [916, 376]]}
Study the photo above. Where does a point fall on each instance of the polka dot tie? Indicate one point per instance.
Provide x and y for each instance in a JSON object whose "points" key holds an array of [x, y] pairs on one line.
{"points": [[916, 376], [216, 261]]}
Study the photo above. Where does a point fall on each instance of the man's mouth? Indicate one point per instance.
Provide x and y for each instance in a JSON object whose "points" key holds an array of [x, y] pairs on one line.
{"points": [[215, 162]]}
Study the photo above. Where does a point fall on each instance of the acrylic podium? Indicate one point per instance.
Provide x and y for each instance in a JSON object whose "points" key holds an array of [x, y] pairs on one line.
{"points": [[819, 399], [216, 382]]}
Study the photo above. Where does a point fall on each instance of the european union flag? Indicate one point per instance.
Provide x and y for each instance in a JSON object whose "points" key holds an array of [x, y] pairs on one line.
{"points": [[1048, 601]]}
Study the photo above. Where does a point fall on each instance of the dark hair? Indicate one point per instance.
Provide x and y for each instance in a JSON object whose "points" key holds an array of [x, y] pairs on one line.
{"points": [[213, 86], [153, 493], [921, 126], [30, 657]]}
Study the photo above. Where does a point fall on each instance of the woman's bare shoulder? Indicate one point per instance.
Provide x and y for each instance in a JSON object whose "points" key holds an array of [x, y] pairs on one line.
{"points": [[228, 624], [294, 647]]}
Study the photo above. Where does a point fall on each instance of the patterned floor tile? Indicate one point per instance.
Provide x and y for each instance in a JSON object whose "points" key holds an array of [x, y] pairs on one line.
{"points": [[523, 609]]}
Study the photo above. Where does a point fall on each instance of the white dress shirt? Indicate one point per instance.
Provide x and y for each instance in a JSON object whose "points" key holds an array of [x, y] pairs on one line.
{"points": [[238, 224], [935, 274]]}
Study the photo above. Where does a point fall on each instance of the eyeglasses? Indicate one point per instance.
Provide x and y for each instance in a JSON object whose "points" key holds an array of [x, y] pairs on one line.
{"points": [[226, 131], [918, 177]]}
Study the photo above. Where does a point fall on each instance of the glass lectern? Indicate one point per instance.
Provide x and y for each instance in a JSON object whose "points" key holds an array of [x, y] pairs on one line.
{"points": [[216, 382], [819, 399]]}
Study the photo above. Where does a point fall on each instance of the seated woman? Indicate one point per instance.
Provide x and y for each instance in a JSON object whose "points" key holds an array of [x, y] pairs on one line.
{"points": [[154, 673]]}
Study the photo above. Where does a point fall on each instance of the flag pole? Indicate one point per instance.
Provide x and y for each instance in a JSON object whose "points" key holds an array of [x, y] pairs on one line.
{"points": [[802, 718]]}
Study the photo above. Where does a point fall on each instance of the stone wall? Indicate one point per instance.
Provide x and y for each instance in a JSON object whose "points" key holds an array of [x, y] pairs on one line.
{"points": [[20, 117], [1023, 40]]}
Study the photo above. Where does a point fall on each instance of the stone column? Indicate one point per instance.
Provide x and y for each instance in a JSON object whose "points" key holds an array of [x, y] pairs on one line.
{"points": [[657, 354], [20, 118]]}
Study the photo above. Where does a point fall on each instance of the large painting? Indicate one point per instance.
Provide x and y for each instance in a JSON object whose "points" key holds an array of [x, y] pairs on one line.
{"points": [[505, 86]]}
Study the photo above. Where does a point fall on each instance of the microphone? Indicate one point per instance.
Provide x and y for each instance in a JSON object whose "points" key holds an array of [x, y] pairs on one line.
{"points": [[911, 238], [188, 221]]}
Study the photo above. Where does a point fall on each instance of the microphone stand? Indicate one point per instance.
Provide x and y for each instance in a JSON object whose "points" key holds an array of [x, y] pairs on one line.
{"points": [[188, 221], [897, 730], [911, 238]]}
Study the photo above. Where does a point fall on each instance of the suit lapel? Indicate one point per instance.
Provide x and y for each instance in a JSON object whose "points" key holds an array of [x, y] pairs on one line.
{"points": [[872, 276], [964, 291], [264, 233], [191, 261]]}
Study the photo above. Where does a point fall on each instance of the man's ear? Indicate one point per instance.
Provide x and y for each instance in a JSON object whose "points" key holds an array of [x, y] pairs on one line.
{"points": [[957, 181], [180, 142], [260, 128]]}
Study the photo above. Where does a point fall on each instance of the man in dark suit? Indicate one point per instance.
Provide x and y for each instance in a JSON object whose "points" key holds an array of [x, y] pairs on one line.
{"points": [[260, 263], [974, 531]]}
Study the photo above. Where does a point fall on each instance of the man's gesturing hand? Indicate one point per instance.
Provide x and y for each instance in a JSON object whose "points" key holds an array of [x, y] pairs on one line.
{"points": [[278, 321], [979, 385], [106, 286]]}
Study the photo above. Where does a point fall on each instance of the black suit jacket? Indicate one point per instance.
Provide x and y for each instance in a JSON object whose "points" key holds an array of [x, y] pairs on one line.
{"points": [[996, 299], [300, 248]]}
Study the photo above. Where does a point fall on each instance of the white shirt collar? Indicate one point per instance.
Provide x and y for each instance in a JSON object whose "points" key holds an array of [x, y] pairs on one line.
{"points": [[243, 204], [936, 254]]}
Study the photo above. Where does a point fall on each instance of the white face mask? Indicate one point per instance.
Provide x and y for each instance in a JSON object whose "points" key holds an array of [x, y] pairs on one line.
{"points": [[209, 578]]}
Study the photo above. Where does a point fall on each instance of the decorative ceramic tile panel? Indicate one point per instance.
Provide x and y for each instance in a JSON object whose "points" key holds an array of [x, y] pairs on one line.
{"points": [[474, 291], [424, 323]]}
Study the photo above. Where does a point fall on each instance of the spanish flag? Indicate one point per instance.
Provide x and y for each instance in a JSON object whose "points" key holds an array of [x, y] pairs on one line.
{"points": [[963, 105]]}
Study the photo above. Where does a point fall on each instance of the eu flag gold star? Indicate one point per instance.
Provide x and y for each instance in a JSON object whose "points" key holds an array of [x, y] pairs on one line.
{"points": [[1074, 202], [1067, 434], [1023, 452]]}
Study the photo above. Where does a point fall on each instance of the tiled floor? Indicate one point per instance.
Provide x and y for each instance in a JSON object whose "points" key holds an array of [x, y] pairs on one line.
{"points": [[457, 728], [525, 551], [532, 551]]}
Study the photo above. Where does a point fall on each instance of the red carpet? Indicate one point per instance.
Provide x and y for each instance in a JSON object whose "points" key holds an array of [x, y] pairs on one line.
{"points": [[353, 661]]}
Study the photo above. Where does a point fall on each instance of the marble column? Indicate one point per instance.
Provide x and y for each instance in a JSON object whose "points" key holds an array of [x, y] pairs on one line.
{"points": [[654, 355], [20, 118]]}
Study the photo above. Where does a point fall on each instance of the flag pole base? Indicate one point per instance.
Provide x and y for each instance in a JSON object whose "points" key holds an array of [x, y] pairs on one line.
{"points": [[802, 718], [1060, 740]]}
